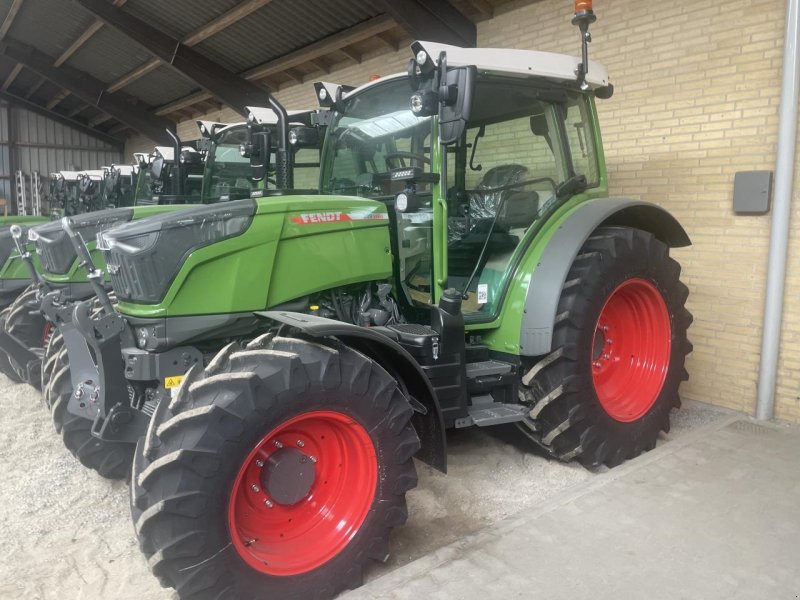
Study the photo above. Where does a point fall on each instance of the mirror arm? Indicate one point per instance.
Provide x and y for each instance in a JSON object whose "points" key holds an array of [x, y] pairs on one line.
{"points": [[177, 175]]}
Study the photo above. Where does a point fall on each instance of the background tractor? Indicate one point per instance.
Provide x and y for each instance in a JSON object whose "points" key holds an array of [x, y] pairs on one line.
{"points": [[282, 359], [67, 249]]}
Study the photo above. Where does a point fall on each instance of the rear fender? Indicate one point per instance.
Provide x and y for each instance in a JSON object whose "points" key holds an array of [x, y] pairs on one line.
{"points": [[547, 281], [397, 362]]}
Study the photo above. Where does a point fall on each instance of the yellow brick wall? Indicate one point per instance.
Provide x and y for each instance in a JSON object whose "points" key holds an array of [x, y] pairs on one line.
{"points": [[697, 91]]}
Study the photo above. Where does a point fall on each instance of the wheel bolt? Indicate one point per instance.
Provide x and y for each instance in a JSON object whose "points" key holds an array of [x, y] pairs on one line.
{"points": [[259, 463], [301, 443], [269, 503], [597, 364], [609, 341], [605, 327], [255, 488], [313, 459], [606, 356], [278, 444]]}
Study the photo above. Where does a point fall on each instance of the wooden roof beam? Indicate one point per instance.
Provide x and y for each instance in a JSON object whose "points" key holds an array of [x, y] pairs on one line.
{"points": [[433, 20], [95, 26], [10, 16], [92, 91], [59, 118], [234, 15], [233, 90], [56, 100], [323, 47], [11, 76]]}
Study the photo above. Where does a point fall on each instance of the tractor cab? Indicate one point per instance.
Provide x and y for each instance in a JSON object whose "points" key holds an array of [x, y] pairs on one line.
{"points": [[163, 181], [229, 173], [64, 193], [519, 141], [119, 184]]}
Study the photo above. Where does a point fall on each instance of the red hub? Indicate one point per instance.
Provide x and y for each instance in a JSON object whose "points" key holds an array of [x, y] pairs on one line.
{"points": [[48, 331], [303, 493], [631, 350]]}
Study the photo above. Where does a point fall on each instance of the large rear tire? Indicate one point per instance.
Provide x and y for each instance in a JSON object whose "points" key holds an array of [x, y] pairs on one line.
{"points": [[233, 478], [25, 322], [111, 460], [619, 347]]}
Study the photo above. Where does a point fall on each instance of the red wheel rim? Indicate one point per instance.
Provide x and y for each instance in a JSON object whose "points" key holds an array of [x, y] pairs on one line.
{"points": [[631, 350], [48, 330], [288, 538]]}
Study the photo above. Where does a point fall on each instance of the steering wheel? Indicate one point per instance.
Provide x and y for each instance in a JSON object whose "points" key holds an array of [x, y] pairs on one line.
{"points": [[410, 155]]}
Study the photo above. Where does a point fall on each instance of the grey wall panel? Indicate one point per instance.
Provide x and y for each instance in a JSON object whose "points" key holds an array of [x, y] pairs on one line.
{"points": [[47, 146]]}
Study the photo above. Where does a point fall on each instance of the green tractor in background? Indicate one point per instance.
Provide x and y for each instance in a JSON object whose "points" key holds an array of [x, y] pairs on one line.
{"points": [[119, 185], [45, 266], [282, 359], [65, 281]]}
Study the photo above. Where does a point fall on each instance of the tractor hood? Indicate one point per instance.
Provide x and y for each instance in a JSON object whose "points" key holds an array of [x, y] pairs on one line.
{"points": [[246, 255], [53, 244]]}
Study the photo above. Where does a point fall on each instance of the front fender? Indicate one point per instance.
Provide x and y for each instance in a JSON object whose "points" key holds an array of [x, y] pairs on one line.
{"points": [[547, 280], [396, 360]]}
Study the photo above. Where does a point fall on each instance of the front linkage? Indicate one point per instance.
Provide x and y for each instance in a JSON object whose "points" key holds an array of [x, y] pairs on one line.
{"points": [[114, 385]]}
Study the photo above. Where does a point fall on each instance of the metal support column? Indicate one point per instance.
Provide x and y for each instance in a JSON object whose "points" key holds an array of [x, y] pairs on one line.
{"points": [[781, 212]]}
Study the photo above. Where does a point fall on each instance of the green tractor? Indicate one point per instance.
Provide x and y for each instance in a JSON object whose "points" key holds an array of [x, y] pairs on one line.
{"points": [[282, 359], [63, 280], [119, 185]]}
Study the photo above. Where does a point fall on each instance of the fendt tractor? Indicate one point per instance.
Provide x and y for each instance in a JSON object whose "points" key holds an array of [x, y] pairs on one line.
{"points": [[64, 280], [282, 359]]}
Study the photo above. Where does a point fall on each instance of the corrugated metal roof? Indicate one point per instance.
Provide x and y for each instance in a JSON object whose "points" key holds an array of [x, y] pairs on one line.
{"points": [[277, 29], [176, 18], [108, 55], [160, 86], [51, 25]]}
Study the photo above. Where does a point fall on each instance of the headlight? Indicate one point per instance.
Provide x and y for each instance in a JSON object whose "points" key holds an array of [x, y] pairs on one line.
{"points": [[141, 337], [323, 94], [422, 57], [401, 202], [293, 137]]}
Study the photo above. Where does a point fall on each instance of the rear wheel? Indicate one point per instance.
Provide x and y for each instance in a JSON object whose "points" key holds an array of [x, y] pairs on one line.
{"points": [[278, 471], [606, 391], [26, 323]]}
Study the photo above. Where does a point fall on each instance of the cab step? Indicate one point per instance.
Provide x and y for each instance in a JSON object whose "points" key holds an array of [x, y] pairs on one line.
{"points": [[485, 412]]}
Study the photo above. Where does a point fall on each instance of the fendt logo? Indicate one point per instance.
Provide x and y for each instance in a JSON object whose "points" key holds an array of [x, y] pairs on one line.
{"points": [[337, 216], [321, 217]]}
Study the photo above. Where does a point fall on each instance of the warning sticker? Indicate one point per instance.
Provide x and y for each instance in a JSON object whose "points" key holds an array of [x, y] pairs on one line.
{"points": [[173, 382]]}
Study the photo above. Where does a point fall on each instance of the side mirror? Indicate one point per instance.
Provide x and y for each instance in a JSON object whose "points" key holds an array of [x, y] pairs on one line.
{"points": [[157, 168], [259, 151], [446, 91], [456, 92]]}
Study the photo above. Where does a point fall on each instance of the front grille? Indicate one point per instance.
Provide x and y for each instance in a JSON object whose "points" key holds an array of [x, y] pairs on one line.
{"points": [[134, 278], [6, 246], [55, 251]]}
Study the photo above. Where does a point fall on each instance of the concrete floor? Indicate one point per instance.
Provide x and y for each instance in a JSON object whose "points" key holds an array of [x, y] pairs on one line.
{"points": [[714, 514]]}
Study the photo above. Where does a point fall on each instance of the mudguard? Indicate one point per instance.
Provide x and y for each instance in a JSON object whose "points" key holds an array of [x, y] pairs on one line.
{"points": [[376, 343], [547, 280]]}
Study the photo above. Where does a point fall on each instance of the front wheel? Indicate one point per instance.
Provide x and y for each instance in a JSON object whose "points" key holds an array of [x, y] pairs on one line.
{"points": [[25, 322], [278, 471], [619, 347]]}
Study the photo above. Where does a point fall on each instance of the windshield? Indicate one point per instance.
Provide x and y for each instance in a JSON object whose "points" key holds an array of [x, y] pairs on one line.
{"points": [[375, 133], [228, 172], [147, 186]]}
